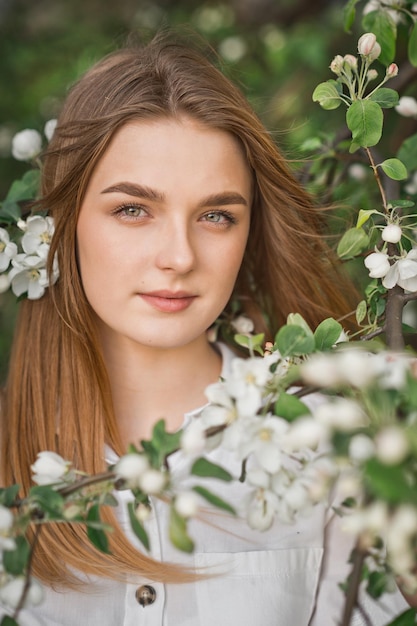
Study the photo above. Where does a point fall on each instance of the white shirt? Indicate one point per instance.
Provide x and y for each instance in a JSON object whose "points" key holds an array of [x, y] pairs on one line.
{"points": [[287, 576]]}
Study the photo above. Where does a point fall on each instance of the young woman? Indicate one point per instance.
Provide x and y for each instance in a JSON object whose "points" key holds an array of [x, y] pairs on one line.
{"points": [[170, 199]]}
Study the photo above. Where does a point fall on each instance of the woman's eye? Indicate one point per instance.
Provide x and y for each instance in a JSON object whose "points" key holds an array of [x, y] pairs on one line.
{"points": [[130, 211], [219, 217]]}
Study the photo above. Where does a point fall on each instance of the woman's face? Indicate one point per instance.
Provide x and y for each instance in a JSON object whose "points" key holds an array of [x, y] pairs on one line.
{"points": [[162, 231]]}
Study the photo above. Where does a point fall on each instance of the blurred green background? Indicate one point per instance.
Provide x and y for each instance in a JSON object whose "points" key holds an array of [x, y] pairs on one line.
{"points": [[277, 50]]}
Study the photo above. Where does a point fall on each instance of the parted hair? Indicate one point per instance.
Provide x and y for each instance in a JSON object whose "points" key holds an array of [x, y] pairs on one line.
{"points": [[57, 395]]}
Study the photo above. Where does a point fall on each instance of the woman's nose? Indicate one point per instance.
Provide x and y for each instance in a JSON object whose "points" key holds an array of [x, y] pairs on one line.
{"points": [[175, 248]]}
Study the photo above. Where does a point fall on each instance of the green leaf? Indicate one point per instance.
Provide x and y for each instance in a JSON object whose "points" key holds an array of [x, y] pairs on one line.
{"points": [[353, 242], [385, 30], [328, 95], [161, 444], [408, 152], [213, 499], [295, 319], [178, 532], [394, 168], [389, 482], [48, 499], [385, 97], [290, 407], [412, 45], [361, 311], [205, 468], [8, 495], [97, 536], [327, 333], [349, 13], [408, 618], [364, 119], [8, 621], [377, 584], [26, 188], [137, 527], [10, 211], [251, 342], [364, 216], [294, 341], [15, 561]]}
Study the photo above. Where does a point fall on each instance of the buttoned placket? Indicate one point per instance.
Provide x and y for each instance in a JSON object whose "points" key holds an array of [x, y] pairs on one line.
{"points": [[144, 598]]}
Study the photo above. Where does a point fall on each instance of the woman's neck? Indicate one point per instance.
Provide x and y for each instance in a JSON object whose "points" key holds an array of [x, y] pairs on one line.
{"points": [[149, 384]]}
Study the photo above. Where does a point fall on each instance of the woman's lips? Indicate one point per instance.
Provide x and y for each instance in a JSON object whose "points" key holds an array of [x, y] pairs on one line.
{"points": [[168, 302]]}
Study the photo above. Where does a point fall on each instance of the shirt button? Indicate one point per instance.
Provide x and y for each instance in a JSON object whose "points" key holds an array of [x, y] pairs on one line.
{"points": [[145, 595]]}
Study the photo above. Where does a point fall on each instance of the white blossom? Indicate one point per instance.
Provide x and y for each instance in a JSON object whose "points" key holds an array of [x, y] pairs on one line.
{"points": [[8, 250], [403, 273], [12, 591], [319, 370], [26, 144], [49, 468], [341, 414], [261, 509], [261, 437], [378, 264], [38, 235], [379, 5], [305, 432], [407, 106], [28, 274]]}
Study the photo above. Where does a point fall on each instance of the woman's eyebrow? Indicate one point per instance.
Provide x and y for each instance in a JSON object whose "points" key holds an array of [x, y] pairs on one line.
{"points": [[142, 191], [223, 199], [133, 189]]}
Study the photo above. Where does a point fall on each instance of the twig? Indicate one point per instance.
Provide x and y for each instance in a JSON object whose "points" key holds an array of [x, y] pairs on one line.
{"points": [[353, 586], [26, 587]]}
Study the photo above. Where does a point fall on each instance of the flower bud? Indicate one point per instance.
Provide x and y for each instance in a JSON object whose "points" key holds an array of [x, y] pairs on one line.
{"points": [[392, 70], [6, 519], [407, 106], [369, 47], [243, 325], [336, 65], [152, 481], [186, 504], [142, 512], [361, 448], [49, 128], [26, 145], [391, 445], [351, 61], [131, 467], [372, 74], [392, 233], [48, 468], [377, 264]]}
